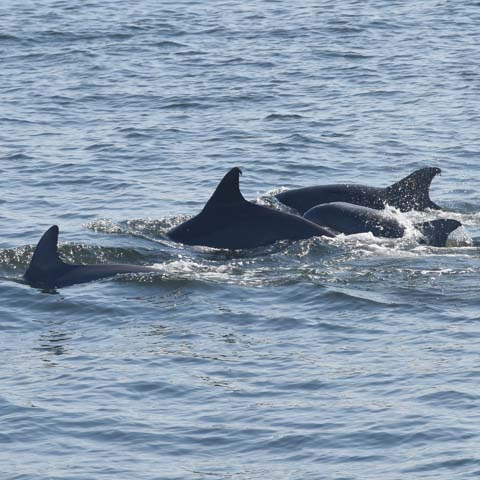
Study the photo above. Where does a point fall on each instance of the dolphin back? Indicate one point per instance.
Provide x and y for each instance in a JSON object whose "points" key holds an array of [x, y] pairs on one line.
{"points": [[351, 219], [303, 199], [229, 221], [47, 270], [410, 193]]}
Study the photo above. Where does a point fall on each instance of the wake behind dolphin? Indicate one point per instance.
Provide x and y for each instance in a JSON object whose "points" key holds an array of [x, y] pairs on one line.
{"points": [[47, 270], [231, 222], [410, 193]]}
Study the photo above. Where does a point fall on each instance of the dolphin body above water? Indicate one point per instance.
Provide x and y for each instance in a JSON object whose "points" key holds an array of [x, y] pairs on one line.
{"points": [[48, 271], [229, 221], [410, 193], [350, 219]]}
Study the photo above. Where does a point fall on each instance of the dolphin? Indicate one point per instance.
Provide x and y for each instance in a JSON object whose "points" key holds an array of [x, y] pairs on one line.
{"points": [[48, 271], [229, 221], [410, 193], [350, 219]]}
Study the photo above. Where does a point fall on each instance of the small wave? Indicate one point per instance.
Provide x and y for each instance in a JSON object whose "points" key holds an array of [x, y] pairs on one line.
{"points": [[379, 93], [99, 146], [459, 238], [137, 135], [345, 29], [145, 226], [71, 36], [469, 219], [362, 295], [347, 55], [366, 245], [5, 37], [207, 31], [451, 398], [19, 156], [16, 258], [170, 44], [452, 464], [298, 138], [384, 25], [284, 116], [17, 120], [233, 272], [185, 105]]}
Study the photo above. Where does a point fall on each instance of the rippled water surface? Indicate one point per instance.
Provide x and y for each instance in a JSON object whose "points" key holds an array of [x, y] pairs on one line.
{"points": [[351, 358]]}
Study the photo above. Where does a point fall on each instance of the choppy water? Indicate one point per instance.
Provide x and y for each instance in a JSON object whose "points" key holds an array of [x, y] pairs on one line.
{"points": [[350, 358]]}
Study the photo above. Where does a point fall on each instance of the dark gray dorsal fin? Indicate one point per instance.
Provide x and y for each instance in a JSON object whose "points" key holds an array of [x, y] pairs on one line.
{"points": [[413, 192], [45, 262], [436, 232], [228, 190]]}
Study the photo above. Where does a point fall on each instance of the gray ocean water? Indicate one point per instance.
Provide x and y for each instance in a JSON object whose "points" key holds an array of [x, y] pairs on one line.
{"points": [[352, 358]]}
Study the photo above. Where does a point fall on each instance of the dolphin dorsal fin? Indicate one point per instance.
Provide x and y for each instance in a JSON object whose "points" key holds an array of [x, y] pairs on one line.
{"points": [[228, 190], [413, 192], [45, 262], [436, 232]]}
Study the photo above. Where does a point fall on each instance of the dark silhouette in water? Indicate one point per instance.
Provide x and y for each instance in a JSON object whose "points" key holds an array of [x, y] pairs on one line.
{"points": [[350, 219], [229, 221], [410, 193], [47, 270]]}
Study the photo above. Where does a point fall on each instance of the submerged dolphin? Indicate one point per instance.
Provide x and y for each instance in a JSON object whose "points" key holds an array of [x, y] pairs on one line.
{"points": [[350, 219], [47, 270], [410, 193], [229, 221]]}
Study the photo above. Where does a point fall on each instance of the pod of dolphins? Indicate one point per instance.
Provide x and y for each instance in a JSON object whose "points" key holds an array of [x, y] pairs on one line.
{"points": [[229, 221]]}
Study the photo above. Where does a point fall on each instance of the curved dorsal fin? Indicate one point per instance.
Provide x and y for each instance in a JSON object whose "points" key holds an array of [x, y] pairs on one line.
{"points": [[436, 232], [413, 191], [228, 190], [45, 262]]}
